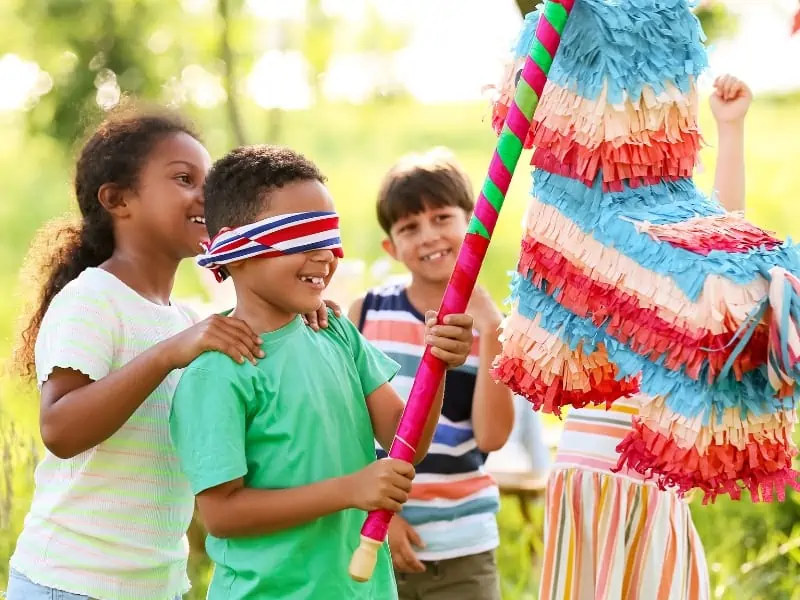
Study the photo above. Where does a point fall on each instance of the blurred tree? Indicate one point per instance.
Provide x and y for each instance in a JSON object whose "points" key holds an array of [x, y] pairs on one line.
{"points": [[717, 20], [227, 57], [317, 41], [170, 52], [91, 54]]}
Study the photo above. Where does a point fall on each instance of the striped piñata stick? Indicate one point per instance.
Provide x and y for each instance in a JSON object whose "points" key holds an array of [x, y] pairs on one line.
{"points": [[462, 281]]}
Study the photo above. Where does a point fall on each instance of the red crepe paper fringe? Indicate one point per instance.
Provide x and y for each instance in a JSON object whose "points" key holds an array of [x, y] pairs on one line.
{"points": [[702, 235], [763, 467], [553, 397], [654, 157]]}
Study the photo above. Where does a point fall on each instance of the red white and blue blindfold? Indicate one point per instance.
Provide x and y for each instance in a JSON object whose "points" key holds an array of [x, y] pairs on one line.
{"points": [[292, 233]]}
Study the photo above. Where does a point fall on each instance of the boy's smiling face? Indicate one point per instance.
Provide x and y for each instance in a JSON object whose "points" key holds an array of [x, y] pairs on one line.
{"points": [[291, 284], [427, 243]]}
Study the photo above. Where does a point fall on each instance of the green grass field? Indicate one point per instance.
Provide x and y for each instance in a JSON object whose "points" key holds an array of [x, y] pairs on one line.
{"points": [[354, 146]]}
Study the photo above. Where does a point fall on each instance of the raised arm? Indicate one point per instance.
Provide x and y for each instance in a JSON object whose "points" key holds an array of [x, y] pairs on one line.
{"points": [[492, 403], [729, 104]]}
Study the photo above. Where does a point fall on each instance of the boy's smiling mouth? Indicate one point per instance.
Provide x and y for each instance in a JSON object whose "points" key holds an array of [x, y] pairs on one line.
{"points": [[316, 281], [439, 254], [198, 220]]}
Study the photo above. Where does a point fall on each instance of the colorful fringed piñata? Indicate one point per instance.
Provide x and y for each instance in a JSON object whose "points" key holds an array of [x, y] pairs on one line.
{"points": [[631, 279]]}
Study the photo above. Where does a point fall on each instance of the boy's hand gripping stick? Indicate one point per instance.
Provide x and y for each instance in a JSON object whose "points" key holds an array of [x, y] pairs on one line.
{"points": [[462, 281]]}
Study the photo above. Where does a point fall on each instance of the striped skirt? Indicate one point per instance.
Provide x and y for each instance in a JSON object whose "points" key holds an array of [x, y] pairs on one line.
{"points": [[611, 536]]}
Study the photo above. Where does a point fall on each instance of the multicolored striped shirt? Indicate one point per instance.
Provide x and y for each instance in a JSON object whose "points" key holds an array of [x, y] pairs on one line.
{"points": [[111, 522], [453, 501]]}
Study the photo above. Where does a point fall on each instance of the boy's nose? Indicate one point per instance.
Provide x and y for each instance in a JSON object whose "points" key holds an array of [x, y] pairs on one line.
{"points": [[428, 233], [325, 256]]}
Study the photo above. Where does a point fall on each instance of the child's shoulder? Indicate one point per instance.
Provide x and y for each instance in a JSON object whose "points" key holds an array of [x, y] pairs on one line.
{"points": [[93, 280], [339, 329], [91, 291], [390, 288], [220, 366], [380, 297], [390, 295]]}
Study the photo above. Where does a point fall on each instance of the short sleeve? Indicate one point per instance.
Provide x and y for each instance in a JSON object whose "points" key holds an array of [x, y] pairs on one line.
{"points": [[373, 366], [207, 425], [190, 311], [80, 330]]}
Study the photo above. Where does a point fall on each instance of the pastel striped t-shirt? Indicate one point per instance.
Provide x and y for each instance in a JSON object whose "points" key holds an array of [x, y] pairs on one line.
{"points": [[453, 501], [111, 522]]}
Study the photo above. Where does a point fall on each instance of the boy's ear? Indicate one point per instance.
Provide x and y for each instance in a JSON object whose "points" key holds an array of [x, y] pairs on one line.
{"points": [[112, 198], [389, 248]]}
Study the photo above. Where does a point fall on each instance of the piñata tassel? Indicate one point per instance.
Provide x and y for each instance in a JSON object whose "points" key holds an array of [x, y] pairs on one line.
{"points": [[780, 310], [784, 339]]}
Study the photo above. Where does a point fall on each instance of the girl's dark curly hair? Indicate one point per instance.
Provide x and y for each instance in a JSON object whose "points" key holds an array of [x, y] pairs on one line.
{"points": [[114, 153]]}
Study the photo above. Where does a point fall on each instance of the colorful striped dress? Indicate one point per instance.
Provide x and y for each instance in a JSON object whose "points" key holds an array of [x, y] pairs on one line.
{"points": [[612, 536], [453, 501]]}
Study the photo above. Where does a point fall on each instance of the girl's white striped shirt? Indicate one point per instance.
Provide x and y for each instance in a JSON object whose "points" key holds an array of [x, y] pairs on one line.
{"points": [[110, 523]]}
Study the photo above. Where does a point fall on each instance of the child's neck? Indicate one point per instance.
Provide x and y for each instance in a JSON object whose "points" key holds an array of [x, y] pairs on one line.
{"points": [[151, 278], [425, 295], [260, 315]]}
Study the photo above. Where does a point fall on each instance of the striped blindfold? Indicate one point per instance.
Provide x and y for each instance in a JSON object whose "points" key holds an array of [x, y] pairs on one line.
{"points": [[274, 236]]}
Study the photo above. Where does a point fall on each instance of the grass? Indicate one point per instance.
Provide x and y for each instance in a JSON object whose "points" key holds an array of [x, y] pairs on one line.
{"points": [[354, 146]]}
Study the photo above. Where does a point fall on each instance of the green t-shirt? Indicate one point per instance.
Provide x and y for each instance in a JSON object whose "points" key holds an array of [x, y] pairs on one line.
{"points": [[297, 417]]}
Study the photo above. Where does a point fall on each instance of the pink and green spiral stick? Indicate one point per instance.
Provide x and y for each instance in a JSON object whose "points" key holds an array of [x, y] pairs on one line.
{"points": [[462, 281]]}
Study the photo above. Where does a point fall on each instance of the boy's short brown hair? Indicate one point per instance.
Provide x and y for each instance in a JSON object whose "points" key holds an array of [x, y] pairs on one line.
{"points": [[418, 182]]}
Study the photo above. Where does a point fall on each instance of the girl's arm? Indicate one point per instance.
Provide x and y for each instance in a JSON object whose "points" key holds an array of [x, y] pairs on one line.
{"points": [[78, 413], [729, 104]]}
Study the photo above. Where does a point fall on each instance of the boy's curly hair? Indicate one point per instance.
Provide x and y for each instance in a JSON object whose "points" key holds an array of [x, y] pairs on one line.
{"points": [[237, 187]]}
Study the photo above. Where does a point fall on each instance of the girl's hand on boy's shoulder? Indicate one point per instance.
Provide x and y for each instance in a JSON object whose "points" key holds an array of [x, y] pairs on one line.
{"points": [[485, 312], [319, 319], [228, 335], [450, 342]]}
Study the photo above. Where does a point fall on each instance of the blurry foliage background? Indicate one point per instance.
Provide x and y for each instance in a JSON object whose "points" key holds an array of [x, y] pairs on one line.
{"points": [[201, 54]]}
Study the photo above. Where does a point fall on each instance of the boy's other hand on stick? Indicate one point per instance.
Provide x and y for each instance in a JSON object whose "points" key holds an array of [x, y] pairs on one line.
{"points": [[383, 485]]}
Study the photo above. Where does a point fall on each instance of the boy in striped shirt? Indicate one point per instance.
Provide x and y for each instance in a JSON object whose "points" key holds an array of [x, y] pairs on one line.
{"points": [[443, 541]]}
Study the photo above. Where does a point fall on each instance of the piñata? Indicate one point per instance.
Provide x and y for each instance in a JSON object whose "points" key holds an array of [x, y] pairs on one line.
{"points": [[630, 279]]}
